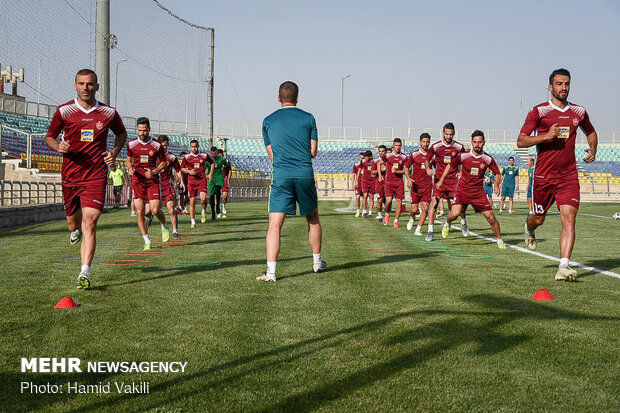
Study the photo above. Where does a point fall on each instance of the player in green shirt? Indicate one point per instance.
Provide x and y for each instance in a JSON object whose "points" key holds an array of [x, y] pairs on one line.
{"points": [[216, 183], [291, 141], [118, 180], [510, 181]]}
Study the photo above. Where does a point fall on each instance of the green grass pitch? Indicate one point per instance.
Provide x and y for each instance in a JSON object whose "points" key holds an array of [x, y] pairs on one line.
{"points": [[404, 327]]}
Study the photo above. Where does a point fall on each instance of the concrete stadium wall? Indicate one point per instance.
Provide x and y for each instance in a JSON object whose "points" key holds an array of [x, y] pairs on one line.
{"points": [[11, 217]]}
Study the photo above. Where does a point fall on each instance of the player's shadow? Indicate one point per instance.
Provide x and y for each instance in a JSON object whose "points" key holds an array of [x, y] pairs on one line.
{"points": [[407, 340]]}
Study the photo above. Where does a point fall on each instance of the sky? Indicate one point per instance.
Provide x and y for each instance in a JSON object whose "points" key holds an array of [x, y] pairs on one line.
{"points": [[469, 62]]}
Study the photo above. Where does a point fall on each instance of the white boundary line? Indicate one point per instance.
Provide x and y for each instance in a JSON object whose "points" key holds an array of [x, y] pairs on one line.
{"points": [[539, 254]]}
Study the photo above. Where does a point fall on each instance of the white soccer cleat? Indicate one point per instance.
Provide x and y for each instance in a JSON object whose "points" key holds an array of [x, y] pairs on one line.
{"points": [[418, 232], [530, 238], [565, 273], [410, 224], [429, 236], [320, 267], [133, 214], [267, 277], [224, 210], [465, 229], [75, 237], [219, 215]]}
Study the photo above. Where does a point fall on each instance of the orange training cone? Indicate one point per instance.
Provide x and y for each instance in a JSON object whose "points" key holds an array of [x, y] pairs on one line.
{"points": [[542, 294], [66, 302]]}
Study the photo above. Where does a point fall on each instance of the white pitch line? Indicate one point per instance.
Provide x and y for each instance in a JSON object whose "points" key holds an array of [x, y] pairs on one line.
{"points": [[540, 254], [581, 213]]}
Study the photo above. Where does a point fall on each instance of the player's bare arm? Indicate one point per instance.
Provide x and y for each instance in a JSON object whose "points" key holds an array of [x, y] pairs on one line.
{"points": [[210, 177], [525, 141], [429, 170], [408, 176], [129, 164], [269, 152], [379, 165], [110, 156], [498, 178], [593, 143], [445, 173], [314, 148]]}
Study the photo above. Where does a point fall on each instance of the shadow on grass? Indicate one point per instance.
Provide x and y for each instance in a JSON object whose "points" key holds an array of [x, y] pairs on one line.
{"points": [[481, 327]]}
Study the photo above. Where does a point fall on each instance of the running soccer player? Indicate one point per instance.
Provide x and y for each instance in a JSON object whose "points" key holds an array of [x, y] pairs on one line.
{"points": [[168, 180], [469, 190], [510, 180], [489, 180], [369, 176], [394, 185], [216, 182], [194, 165], [182, 189], [380, 183], [291, 141], [530, 179], [146, 158], [555, 176], [357, 182], [420, 183], [444, 151], [227, 172], [85, 122]]}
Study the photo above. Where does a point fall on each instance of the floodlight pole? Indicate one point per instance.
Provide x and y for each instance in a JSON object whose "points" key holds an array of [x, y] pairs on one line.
{"points": [[116, 83], [211, 86], [342, 105], [102, 50]]}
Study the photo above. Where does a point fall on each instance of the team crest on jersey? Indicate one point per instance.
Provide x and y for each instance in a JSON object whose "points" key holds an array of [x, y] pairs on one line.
{"points": [[564, 132], [575, 122], [144, 159], [87, 135], [99, 125]]}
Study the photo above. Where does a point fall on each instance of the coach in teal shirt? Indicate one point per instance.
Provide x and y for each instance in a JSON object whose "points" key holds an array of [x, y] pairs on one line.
{"points": [[291, 141]]}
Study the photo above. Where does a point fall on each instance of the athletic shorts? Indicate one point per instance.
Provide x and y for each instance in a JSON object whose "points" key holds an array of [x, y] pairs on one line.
{"points": [[529, 192], [477, 199], [147, 190], [488, 189], [395, 190], [358, 191], [195, 187], [84, 195], [118, 190], [446, 191], [167, 193], [420, 194], [224, 188], [508, 190], [286, 193], [380, 189], [562, 190], [368, 187]]}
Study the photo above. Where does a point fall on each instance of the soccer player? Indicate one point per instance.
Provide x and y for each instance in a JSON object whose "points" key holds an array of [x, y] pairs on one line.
{"points": [[489, 180], [357, 182], [182, 189], [291, 140], [555, 176], [216, 182], [394, 185], [469, 190], [380, 183], [194, 165], [510, 180], [168, 180], [530, 179], [420, 183], [444, 151], [146, 158], [85, 122], [227, 171], [118, 181], [369, 176]]}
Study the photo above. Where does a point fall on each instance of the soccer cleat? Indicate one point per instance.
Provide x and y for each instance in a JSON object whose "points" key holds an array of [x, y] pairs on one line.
{"points": [[379, 217], [133, 214], [510, 212], [386, 220], [83, 281], [441, 213], [445, 231], [501, 245], [369, 215], [357, 214], [530, 238], [500, 212], [429, 236], [364, 214], [165, 234], [417, 232], [203, 217], [565, 273], [465, 229], [148, 221], [410, 224], [224, 216], [267, 277], [75, 237], [320, 267], [175, 235], [395, 224], [224, 209], [147, 246], [219, 215], [185, 212], [193, 225]]}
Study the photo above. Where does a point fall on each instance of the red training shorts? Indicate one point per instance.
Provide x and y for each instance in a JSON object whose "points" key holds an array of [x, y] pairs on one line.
{"points": [[167, 194], [446, 191], [84, 195], [395, 190], [196, 186], [368, 187], [562, 190], [146, 190], [421, 194], [477, 199]]}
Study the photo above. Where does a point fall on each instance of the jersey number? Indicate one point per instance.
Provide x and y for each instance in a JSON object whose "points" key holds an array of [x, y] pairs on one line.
{"points": [[539, 209]]}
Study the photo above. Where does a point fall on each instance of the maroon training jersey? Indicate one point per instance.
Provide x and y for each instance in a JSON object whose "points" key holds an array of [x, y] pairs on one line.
{"points": [[444, 154], [473, 168], [87, 134], [146, 155], [356, 168], [557, 157], [393, 160], [367, 168], [196, 163], [382, 172], [172, 163], [418, 172]]}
